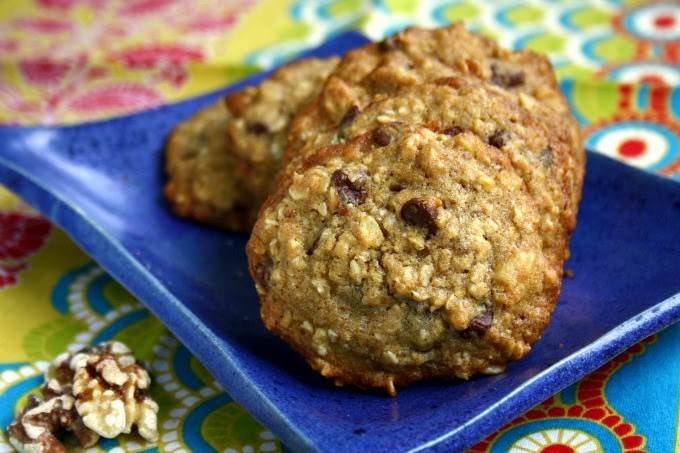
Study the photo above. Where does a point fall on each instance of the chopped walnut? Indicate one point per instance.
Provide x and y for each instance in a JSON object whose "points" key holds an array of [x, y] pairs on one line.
{"points": [[35, 426], [110, 392], [97, 391]]}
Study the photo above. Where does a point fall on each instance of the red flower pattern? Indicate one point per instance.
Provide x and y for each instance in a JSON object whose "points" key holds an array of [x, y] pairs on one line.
{"points": [[21, 235], [116, 98], [145, 6], [69, 70], [44, 25], [56, 4], [159, 55], [44, 70]]}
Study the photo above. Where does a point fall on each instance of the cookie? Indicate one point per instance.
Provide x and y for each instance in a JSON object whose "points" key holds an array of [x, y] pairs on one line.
{"points": [[221, 162], [415, 56], [258, 131], [519, 71], [402, 254], [542, 141], [541, 159], [203, 182]]}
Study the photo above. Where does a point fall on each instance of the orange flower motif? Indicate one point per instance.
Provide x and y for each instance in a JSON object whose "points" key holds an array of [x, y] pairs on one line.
{"points": [[590, 405]]}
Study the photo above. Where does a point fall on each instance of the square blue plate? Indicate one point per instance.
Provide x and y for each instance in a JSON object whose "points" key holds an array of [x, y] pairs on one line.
{"points": [[101, 183]]}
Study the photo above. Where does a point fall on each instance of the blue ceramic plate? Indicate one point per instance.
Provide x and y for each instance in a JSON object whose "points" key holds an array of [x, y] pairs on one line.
{"points": [[101, 183]]}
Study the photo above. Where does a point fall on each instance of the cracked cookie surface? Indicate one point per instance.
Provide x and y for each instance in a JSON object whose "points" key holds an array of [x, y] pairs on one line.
{"points": [[403, 254]]}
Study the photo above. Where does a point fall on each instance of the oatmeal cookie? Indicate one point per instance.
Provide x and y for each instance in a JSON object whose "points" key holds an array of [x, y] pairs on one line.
{"points": [[528, 119], [203, 183], [221, 162], [377, 69], [258, 132], [458, 104], [403, 254]]}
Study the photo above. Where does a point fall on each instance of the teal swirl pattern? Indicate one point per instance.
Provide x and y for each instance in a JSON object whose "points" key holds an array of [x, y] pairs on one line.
{"points": [[195, 412]]}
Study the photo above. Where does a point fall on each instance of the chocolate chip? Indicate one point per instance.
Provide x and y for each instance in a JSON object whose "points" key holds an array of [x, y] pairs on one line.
{"points": [[390, 44], [499, 138], [515, 79], [547, 157], [381, 137], [479, 325], [263, 271], [348, 191], [452, 131], [503, 77], [347, 119], [420, 212], [257, 128]]}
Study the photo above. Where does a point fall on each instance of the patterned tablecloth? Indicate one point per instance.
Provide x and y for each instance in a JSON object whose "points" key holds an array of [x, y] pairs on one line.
{"points": [[67, 61]]}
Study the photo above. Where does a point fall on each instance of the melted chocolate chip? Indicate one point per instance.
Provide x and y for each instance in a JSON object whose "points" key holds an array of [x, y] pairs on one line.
{"points": [[257, 128], [515, 79], [347, 119], [503, 77], [452, 131], [499, 138], [479, 325], [381, 137], [390, 44], [419, 212], [348, 191], [263, 271]]}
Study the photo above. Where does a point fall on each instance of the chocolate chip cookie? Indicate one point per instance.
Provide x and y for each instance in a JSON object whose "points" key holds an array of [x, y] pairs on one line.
{"points": [[457, 104], [203, 183], [221, 162], [258, 132], [405, 253], [378, 69]]}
